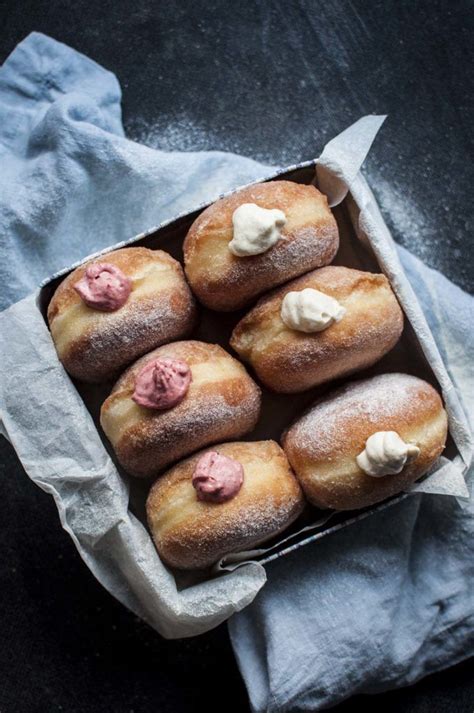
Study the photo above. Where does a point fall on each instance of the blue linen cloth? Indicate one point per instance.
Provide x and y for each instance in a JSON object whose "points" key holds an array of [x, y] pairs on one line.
{"points": [[361, 611]]}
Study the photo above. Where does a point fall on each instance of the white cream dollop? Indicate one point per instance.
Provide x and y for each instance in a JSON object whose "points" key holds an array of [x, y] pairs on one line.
{"points": [[310, 310], [255, 229], [386, 453]]}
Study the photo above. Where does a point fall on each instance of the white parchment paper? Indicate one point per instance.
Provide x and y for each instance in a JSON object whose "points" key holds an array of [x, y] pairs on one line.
{"points": [[56, 439]]}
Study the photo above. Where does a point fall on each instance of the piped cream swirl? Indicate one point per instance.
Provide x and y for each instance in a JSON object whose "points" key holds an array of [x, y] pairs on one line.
{"points": [[217, 478], [310, 310], [104, 287], [162, 384], [255, 229], [386, 453]]}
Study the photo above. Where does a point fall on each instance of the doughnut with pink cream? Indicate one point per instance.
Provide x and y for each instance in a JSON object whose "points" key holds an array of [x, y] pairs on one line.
{"points": [[110, 311], [175, 400], [227, 499]]}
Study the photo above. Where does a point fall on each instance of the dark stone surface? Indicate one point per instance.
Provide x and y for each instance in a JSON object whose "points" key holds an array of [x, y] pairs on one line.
{"points": [[274, 81]]}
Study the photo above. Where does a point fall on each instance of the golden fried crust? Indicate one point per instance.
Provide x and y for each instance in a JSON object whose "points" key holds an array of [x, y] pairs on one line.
{"points": [[222, 402], [225, 282], [190, 534], [289, 361], [322, 445], [93, 345]]}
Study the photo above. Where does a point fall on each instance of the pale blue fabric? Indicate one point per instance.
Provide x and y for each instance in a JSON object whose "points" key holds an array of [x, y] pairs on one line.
{"points": [[383, 603], [70, 182], [361, 611]]}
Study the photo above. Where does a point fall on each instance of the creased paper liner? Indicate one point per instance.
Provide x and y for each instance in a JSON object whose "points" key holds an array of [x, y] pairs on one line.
{"points": [[58, 444]]}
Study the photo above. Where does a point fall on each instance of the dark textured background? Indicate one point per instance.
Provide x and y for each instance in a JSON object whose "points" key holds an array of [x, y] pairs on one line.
{"points": [[275, 81]]}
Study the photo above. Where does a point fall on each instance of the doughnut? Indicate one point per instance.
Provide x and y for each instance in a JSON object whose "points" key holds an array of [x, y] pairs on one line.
{"points": [[193, 527], [115, 308], [289, 224], [175, 400], [367, 441], [319, 327]]}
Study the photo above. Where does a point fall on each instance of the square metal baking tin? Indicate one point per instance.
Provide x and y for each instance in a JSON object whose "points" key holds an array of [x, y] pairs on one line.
{"points": [[412, 355]]}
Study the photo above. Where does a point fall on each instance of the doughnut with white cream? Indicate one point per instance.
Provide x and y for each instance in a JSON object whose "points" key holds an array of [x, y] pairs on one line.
{"points": [[255, 239], [367, 441], [329, 323]]}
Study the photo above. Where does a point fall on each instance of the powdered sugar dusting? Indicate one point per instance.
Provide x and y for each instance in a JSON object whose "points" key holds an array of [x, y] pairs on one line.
{"points": [[370, 401], [218, 409], [119, 338], [418, 225], [310, 239], [183, 133], [289, 361], [252, 525], [197, 534]]}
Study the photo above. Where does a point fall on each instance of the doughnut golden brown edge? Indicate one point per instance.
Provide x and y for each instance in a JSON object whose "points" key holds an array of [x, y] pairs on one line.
{"points": [[323, 444], [290, 361], [222, 402], [191, 534], [225, 282], [95, 346]]}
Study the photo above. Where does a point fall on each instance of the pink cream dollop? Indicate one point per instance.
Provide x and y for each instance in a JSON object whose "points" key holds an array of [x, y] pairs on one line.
{"points": [[162, 384], [104, 287], [217, 478]]}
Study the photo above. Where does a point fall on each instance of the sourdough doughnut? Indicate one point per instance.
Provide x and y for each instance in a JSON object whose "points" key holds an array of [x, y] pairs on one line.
{"points": [[220, 401], [190, 533], [224, 281], [93, 344], [288, 360], [324, 445]]}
